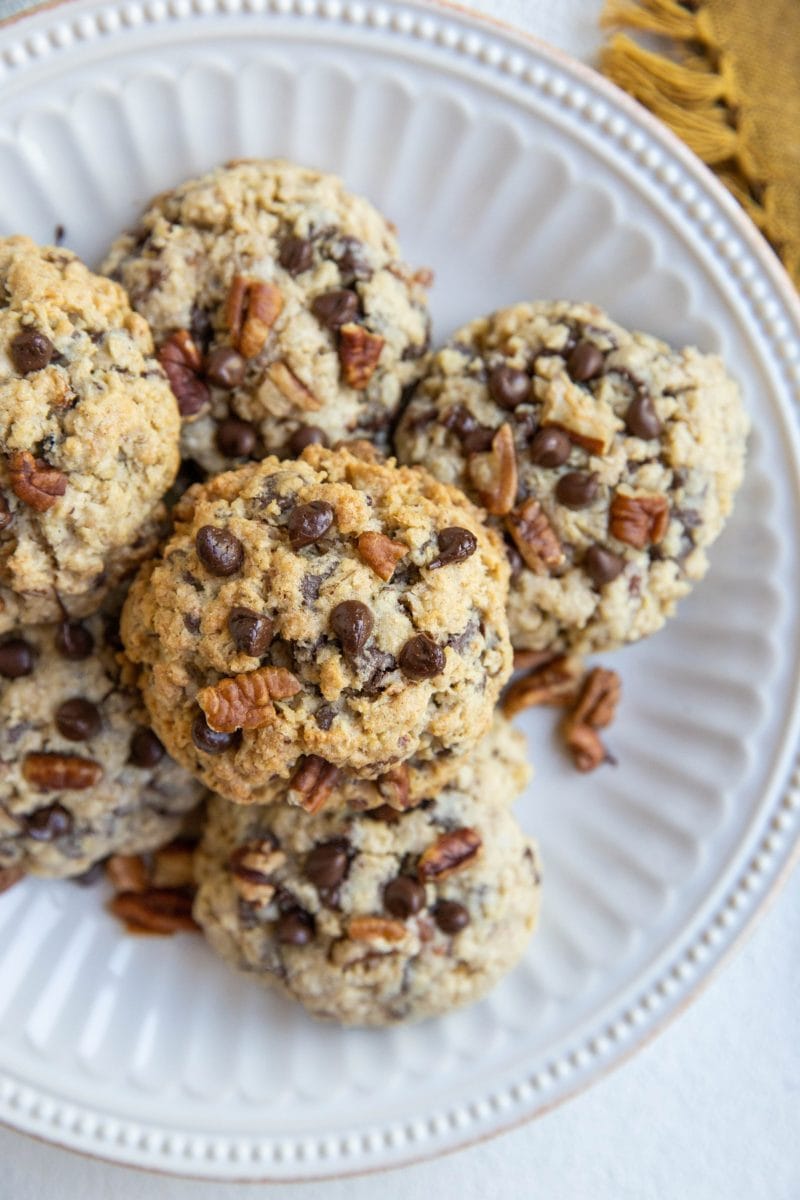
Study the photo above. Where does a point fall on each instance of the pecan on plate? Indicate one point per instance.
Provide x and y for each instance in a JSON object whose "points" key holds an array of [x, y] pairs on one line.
{"points": [[552, 683], [183, 365], [594, 709], [127, 873], [359, 351], [251, 309], [252, 867], [494, 473], [381, 553], [61, 772], [172, 866], [375, 929], [35, 482], [584, 744], [245, 701], [450, 852], [535, 537], [9, 876], [639, 520], [312, 783], [159, 910]]}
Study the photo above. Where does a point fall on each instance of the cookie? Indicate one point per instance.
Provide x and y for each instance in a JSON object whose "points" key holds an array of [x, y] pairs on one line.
{"points": [[369, 921], [88, 436], [282, 309], [83, 774], [320, 614], [609, 461]]}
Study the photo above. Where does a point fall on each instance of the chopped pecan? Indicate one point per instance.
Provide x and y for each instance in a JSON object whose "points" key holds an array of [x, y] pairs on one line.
{"points": [[585, 746], [61, 772], [9, 876], [35, 482], [127, 873], [395, 787], [552, 683], [183, 364], [450, 852], [535, 537], [494, 473], [291, 388], [586, 419], [252, 867], [359, 351], [312, 783], [173, 866], [245, 701], [527, 660], [252, 308], [375, 929], [639, 520], [381, 553], [159, 910], [599, 696]]}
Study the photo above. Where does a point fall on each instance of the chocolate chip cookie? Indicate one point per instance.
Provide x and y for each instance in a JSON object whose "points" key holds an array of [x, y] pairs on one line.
{"points": [[282, 309], [608, 459], [376, 918], [88, 436], [319, 614], [83, 774]]}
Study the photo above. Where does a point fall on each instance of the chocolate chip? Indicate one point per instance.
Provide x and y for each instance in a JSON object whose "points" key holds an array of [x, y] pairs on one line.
{"points": [[326, 865], [235, 438], [16, 658], [295, 929], [78, 720], [209, 740], [641, 419], [251, 631], [404, 896], [295, 255], [324, 716], [550, 448], [201, 326], [577, 489], [509, 387], [515, 560], [219, 551], [6, 515], [309, 522], [47, 824], [585, 362], [74, 641], [336, 308], [352, 260], [460, 420], [306, 435], [352, 622], [450, 916], [225, 368], [191, 622], [31, 351], [601, 565], [455, 544], [145, 748], [310, 586], [479, 440], [421, 658]]}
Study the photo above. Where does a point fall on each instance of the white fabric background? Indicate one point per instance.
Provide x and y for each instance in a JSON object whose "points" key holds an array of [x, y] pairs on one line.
{"points": [[711, 1109]]}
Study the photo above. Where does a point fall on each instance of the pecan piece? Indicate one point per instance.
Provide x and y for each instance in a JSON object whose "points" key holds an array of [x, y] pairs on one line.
{"points": [[395, 787], [312, 783], [291, 388], [375, 929], [584, 744], [61, 772], [127, 873], [594, 709], [639, 520], [173, 866], [359, 351], [587, 420], [494, 473], [252, 867], [35, 482], [9, 876], [552, 683], [252, 308], [381, 553], [245, 701], [158, 910], [183, 364], [527, 660], [535, 537], [450, 852]]}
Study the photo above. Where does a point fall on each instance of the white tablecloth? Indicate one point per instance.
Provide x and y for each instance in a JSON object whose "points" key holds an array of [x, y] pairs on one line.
{"points": [[710, 1110]]}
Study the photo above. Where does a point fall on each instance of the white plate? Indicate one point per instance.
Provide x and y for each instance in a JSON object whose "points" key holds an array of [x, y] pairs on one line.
{"points": [[514, 173]]}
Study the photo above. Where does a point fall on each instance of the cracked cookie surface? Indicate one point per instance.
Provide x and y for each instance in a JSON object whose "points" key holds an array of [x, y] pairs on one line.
{"points": [[608, 459], [280, 304], [369, 921], [324, 613], [88, 436], [83, 775]]}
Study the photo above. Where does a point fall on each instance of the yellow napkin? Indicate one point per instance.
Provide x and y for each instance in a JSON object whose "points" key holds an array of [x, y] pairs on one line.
{"points": [[731, 90]]}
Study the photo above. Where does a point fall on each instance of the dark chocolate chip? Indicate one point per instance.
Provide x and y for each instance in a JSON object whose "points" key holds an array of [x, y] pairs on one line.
{"points": [[78, 720], [16, 658], [601, 565], [324, 716], [577, 489], [641, 419], [460, 420], [201, 327], [296, 255], [326, 865], [219, 551], [306, 435], [352, 259], [191, 622], [421, 658], [309, 522], [455, 544], [235, 438], [514, 557], [145, 748], [479, 440], [251, 631], [336, 308], [509, 387], [352, 622], [74, 641], [295, 928], [31, 351], [585, 362], [47, 824], [404, 896], [6, 515], [225, 368], [209, 740], [450, 916], [550, 448]]}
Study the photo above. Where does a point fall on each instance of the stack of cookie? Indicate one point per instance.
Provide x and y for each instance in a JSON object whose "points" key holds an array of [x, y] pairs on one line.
{"points": [[321, 637]]}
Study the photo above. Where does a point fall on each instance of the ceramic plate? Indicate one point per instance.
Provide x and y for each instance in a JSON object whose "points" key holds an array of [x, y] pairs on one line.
{"points": [[514, 173]]}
